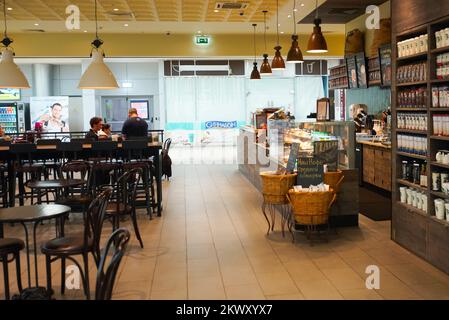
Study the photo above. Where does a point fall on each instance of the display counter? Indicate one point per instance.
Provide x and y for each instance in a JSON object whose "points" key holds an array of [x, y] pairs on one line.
{"points": [[256, 155]]}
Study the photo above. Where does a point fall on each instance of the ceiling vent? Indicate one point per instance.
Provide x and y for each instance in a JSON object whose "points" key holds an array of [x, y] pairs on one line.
{"points": [[34, 30], [120, 14], [231, 5]]}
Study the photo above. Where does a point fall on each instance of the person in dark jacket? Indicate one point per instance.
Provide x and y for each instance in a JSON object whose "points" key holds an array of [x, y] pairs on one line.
{"points": [[96, 124], [135, 126]]}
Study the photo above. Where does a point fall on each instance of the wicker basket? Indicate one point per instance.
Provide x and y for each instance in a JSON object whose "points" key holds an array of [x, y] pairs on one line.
{"points": [[334, 180], [311, 208], [275, 187]]}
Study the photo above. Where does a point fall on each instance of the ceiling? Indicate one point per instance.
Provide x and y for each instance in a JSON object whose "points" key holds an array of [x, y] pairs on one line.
{"points": [[158, 16], [341, 11]]}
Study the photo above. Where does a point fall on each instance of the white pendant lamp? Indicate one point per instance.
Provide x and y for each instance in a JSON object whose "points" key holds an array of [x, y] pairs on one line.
{"points": [[98, 75], [11, 77]]}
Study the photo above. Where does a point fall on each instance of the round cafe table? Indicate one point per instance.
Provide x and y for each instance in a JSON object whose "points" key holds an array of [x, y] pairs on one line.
{"points": [[34, 215], [56, 185]]}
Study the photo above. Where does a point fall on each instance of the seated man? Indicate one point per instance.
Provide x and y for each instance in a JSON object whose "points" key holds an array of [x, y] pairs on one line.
{"points": [[134, 127], [96, 124]]}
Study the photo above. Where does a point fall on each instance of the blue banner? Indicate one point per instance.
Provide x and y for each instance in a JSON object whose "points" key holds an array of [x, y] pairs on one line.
{"points": [[221, 125]]}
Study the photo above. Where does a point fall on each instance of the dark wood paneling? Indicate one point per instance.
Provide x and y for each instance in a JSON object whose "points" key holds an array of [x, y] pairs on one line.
{"points": [[439, 244], [237, 67], [408, 14], [410, 229]]}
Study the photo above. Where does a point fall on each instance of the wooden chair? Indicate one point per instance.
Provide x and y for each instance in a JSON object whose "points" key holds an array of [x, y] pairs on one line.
{"points": [[123, 200], [310, 210], [89, 242], [106, 278], [11, 247]]}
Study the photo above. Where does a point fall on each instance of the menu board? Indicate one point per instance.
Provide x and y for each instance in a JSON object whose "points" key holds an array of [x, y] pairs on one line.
{"points": [[142, 107], [327, 151], [362, 79], [310, 172], [352, 72], [385, 64]]}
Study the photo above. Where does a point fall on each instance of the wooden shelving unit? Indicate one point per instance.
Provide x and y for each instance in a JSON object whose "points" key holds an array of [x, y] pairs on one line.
{"points": [[338, 75], [414, 229]]}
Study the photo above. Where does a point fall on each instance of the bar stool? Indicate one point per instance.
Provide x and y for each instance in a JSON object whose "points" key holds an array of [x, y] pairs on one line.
{"points": [[105, 166], [135, 159], [25, 167], [69, 150], [11, 247], [4, 185], [53, 165]]}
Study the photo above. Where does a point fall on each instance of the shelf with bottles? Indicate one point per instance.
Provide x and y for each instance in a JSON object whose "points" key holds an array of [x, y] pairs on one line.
{"points": [[412, 98], [412, 145]]}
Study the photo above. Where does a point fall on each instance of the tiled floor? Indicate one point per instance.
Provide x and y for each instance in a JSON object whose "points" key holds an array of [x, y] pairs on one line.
{"points": [[211, 244]]}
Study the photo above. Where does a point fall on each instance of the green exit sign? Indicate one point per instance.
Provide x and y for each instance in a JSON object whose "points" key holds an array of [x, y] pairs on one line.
{"points": [[202, 40]]}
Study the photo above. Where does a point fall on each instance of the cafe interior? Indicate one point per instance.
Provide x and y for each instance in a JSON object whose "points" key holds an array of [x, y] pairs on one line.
{"points": [[224, 150]]}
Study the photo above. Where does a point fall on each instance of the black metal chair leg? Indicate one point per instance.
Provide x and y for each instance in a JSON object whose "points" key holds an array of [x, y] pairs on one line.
{"points": [[21, 189], [86, 275], [18, 272], [6, 276], [136, 227], [48, 270], [62, 275]]}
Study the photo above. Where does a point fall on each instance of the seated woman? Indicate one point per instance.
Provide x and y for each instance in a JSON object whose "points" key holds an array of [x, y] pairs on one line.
{"points": [[105, 132]]}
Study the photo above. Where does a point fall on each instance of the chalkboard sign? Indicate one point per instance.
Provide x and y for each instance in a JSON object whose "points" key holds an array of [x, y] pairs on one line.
{"points": [[310, 172], [327, 151], [294, 154], [362, 79], [352, 72], [385, 64]]}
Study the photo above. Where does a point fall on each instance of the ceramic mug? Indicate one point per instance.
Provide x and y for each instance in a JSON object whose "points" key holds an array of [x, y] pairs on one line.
{"points": [[415, 198], [409, 196], [439, 209], [440, 156], [436, 182], [424, 201], [446, 158], [403, 191]]}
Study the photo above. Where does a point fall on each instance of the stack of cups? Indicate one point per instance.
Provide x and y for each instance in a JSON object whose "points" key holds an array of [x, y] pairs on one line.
{"points": [[440, 209], [414, 198]]}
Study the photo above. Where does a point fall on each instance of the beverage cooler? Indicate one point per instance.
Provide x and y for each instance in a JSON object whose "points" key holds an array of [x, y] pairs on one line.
{"points": [[9, 119]]}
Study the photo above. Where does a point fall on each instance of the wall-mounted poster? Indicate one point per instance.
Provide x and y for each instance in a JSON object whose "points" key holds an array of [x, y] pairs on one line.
{"points": [[385, 64], [9, 94], [352, 72], [362, 78], [51, 112]]}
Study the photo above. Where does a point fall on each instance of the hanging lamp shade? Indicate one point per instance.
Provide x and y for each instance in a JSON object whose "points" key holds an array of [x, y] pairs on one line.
{"points": [[295, 54], [10, 74], [278, 62], [98, 75], [265, 68], [317, 43], [255, 75]]}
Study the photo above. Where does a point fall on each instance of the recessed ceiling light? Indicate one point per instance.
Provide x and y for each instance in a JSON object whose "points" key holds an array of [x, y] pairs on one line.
{"points": [[279, 25], [85, 31], [216, 10], [302, 4], [126, 25], [282, 32], [199, 32], [36, 24], [289, 16], [115, 9], [296, 10], [9, 9]]}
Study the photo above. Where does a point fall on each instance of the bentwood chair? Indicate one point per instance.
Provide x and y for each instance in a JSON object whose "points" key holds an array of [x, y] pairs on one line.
{"points": [[4, 185], [50, 166], [79, 197], [105, 167], [25, 168], [11, 247], [89, 242], [106, 278], [123, 201], [134, 158]]}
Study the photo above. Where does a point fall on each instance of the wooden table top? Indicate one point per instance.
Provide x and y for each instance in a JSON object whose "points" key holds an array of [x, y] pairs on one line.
{"points": [[56, 184], [85, 146], [32, 213]]}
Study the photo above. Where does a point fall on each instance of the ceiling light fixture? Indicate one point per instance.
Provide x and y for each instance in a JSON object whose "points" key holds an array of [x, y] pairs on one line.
{"points": [[317, 42], [278, 62], [115, 9], [97, 75], [11, 77], [265, 68], [126, 25], [255, 75], [9, 9], [295, 54]]}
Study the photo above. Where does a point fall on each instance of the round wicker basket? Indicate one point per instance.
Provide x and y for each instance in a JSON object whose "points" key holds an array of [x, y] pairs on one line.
{"points": [[275, 187], [311, 208]]}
